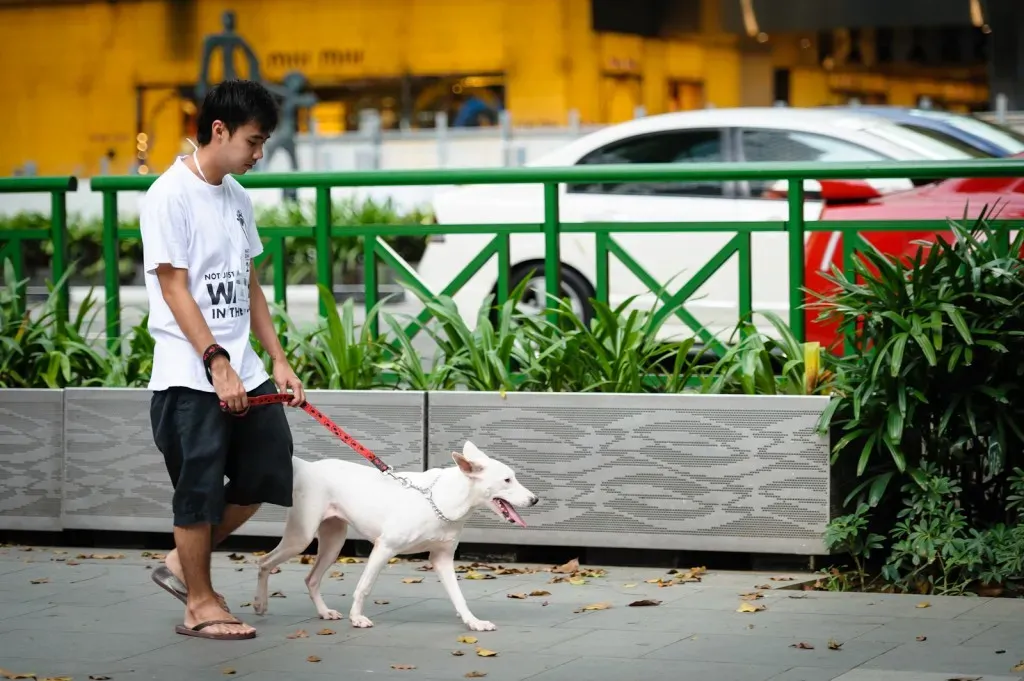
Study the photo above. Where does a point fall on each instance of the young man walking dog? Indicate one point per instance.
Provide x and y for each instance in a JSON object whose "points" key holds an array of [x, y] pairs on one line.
{"points": [[199, 240]]}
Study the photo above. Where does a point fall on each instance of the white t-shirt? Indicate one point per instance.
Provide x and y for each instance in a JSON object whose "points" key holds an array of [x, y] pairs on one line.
{"points": [[209, 230]]}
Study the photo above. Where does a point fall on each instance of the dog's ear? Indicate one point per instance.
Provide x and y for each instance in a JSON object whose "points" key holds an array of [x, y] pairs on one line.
{"points": [[465, 465], [471, 451]]}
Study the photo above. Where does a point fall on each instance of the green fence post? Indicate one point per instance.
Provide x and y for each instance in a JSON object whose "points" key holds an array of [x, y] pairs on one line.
{"points": [[795, 228], [324, 255], [552, 256], [280, 265], [111, 271], [370, 291], [58, 234]]}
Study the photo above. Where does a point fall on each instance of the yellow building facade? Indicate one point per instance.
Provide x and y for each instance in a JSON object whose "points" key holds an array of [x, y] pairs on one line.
{"points": [[105, 86]]}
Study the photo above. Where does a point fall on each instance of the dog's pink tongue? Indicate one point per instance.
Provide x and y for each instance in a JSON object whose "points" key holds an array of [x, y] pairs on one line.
{"points": [[512, 513]]}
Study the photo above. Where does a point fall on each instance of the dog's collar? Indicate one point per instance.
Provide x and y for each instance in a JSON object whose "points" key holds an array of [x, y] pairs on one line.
{"points": [[427, 492]]}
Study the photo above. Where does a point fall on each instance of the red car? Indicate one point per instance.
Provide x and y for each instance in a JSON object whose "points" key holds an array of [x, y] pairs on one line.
{"points": [[855, 200]]}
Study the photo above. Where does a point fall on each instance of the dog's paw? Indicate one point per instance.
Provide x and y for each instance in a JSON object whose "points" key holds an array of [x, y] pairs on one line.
{"points": [[259, 606], [481, 625], [361, 621], [331, 615]]}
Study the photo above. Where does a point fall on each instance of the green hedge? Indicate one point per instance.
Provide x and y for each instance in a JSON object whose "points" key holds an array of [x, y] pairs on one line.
{"points": [[85, 241]]}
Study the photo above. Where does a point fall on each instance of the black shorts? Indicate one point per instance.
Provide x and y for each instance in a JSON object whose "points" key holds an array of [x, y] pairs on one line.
{"points": [[201, 445]]}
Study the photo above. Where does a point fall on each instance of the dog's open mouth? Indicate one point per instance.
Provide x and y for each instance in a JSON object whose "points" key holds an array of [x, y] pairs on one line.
{"points": [[507, 511]]}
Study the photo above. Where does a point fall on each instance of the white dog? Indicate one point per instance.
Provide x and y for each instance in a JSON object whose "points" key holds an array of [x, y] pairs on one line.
{"points": [[401, 514]]}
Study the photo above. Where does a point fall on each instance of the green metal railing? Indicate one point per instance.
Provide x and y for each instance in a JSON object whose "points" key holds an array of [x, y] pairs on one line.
{"points": [[12, 240], [377, 251]]}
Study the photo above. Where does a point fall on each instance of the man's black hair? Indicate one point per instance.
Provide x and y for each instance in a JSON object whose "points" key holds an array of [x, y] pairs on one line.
{"points": [[237, 102]]}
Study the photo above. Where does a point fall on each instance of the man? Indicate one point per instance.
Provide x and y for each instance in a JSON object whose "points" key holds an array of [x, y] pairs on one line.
{"points": [[199, 239]]}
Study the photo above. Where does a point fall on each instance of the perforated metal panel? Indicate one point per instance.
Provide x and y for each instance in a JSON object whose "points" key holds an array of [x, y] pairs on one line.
{"points": [[30, 459], [685, 472], [114, 476], [116, 479]]}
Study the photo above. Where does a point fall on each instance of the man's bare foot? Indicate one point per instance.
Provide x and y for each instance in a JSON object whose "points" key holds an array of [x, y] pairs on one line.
{"points": [[173, 564], [210, 611]]}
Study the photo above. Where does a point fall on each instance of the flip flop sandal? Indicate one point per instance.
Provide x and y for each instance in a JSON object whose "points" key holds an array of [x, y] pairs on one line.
{"points": [[198, 632], [166, 580]]}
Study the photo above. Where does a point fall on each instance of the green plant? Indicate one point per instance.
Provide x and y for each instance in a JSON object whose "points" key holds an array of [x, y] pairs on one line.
{"points": [[935, 371], [762, 365], [38, 349], [849, 534]]}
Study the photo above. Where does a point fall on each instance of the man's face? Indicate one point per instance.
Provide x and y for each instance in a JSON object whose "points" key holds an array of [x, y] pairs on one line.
{"points": [[238, 153]]}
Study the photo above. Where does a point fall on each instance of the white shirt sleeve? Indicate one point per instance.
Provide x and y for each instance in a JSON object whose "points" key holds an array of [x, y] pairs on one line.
{"points": [[251, 232], [165, 232]]}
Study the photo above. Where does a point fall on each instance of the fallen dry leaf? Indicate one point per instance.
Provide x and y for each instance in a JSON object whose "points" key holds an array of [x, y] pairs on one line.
{"points": [[301, 633], [1019, 667], [629, 586], [56, 678], [781, 579], [325, 632], [516, 596], [98, 677], [966, 678], [752, 596], [15, 675], [475, 675], [381, 602], [228, 671], [247, 604], [425, 568], [645, 602], [259, 553], [278, 594], [307, 559], [540, 592], [834, 644], [802, 646], [763, 586], [923, 604], [749, 607], [577, 581], [473, 574], [466, 639], [412, 580], [458, 653], [235, 556], [569, 568], [336, 574], [403, 667], [349, 559], [75, 562], [312, 658], [41, 580], [594, 606], [483, 652]]}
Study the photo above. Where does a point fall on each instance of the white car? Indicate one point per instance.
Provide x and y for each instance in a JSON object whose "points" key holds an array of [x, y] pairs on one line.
{"points": [[705, 136]]}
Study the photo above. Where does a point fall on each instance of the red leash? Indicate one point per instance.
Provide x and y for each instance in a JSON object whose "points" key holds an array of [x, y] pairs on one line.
{"points": [[321, 418]]}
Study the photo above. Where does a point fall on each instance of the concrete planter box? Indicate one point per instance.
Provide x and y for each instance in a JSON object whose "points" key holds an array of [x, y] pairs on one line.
{"points": [[115, 478], [683, 472], [31, 454]]}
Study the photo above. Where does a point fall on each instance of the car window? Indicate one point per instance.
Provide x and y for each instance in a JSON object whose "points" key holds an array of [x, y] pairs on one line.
{"points": [[946, 138], [792, 146], [690, 146]]}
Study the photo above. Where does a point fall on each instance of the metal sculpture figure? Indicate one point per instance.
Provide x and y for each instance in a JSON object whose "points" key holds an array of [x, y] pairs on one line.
{"points": [[227, 41]]}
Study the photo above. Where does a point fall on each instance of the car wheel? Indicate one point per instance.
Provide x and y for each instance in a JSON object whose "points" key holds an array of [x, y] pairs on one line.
{"points": [[575, 287]]}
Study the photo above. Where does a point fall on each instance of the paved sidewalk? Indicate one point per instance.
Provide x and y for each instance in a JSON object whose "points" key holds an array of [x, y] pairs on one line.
{"points": [[94, 617]]}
